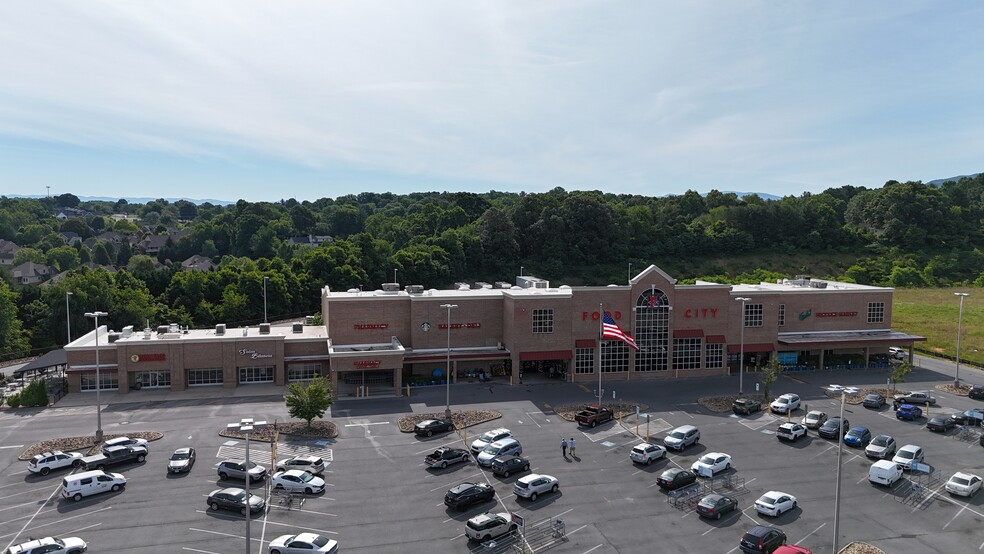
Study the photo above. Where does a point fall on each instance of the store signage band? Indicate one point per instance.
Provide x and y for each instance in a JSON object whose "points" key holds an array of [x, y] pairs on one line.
{"points": [[836, 314], [700, 313], [365, 364], [159, 357], [253, 355], [460, 325], [595, 316], [366, 326]]}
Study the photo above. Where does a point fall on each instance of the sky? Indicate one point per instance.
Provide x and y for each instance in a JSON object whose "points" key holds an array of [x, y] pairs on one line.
{"points": [[266, 101]]}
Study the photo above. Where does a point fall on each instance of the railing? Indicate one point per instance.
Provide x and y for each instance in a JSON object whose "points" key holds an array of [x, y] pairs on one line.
{"points": [[536, 537]]}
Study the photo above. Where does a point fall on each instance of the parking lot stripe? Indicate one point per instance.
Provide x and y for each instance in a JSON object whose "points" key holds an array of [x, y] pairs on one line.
{"points": [[28, 492], [73, 531], [455, 481], [291, 525], [433, 448], [196, 550], [15, 506], [822, 525], [15, 535], [592, 549]]}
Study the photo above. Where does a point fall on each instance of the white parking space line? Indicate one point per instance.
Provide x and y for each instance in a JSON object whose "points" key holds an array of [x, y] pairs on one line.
{"points": [[28, 492], [456, 537], [12, 446], [448, 486], [367, 423], [592, 549], [533, 419], [197, 550], [822, 525], [433, 448], [15, 535], [319, 531], [15, 506], [73, 531]]}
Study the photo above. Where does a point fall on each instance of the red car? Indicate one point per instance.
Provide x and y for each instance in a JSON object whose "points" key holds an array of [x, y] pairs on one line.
{"points": [[792, 549]]}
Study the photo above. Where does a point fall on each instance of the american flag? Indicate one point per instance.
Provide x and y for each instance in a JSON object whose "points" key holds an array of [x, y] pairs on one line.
{"points": [[611, 330]]}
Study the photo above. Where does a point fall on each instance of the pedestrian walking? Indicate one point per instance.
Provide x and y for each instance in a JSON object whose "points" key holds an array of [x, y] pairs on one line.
{"points": [[563, 446], [572, 448]]}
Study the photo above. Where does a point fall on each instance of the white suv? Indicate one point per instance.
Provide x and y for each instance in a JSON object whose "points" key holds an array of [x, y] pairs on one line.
{"points": [[488, 438], [489, 526], [499, 448], [785, 404], [44, 463], [646, 453]]}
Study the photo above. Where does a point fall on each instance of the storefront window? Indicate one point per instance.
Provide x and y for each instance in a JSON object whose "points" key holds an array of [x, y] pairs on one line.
{"points": [[584, 360], [876, 312], [255, 375], [110, 381], [614, 356], [152, 379], [715, 355], [652, 335], [303, 372], [686, 353], [209, 376], [543, 320]]}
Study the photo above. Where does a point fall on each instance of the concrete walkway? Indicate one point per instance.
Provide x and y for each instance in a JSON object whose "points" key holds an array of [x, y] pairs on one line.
{"points": [[162, 395]]}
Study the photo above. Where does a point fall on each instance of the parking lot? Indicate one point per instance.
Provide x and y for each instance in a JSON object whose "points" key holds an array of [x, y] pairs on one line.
{"points": [[381, 498]]}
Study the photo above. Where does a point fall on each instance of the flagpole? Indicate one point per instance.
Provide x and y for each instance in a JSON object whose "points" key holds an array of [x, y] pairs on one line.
{"points": [[601, 332]]}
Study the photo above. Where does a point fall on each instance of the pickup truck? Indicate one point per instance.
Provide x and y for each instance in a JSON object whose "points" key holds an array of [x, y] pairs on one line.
{"points": [[922, 397], [594, 414], [445, 456], [115, 455]]}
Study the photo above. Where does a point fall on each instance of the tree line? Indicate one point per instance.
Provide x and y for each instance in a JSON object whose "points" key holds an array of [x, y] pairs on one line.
{"points": [[902, 234]]}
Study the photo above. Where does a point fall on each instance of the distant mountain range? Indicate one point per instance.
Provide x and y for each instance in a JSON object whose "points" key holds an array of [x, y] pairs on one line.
{"points": [[939, 182]]}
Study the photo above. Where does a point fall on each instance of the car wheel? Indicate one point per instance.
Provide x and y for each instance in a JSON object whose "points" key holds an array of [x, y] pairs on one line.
{"points": [[505, 473], [45, 470], [593, 423], [554, 488], [76, 497], [141, 458], [308, 490], [115, 488], [214, 506], [444, 465], [697, 440], [649, 461], [794, 506], [727, 466], [278, 486], [430, 433], [486, 538], [533, 497], [718, 516], [77, 464], [223, 476], [274, 551], [451, 427], [101, 467], [526, 467]]}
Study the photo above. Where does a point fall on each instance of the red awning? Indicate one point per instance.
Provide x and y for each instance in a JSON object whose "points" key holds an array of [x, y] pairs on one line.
{"points": [[753, 347], [688, 333], [548, 355], [714, 339], [585, 343]]}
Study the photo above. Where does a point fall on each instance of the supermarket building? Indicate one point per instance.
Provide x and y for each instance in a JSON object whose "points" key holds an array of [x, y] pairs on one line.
{"points": [[386, 341]]}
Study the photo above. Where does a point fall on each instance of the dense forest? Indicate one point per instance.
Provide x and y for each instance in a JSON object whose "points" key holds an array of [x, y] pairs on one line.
{"points": [[902, 234]]}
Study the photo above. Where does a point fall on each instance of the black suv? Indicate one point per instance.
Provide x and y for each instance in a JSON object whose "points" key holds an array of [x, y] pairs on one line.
{"points": [[509, 463], [761, 539], [832, 429], [976, 391], [464, 495]]}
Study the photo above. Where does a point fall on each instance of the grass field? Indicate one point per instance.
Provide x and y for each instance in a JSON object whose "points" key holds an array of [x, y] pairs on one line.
{"points": [[934, 314]]}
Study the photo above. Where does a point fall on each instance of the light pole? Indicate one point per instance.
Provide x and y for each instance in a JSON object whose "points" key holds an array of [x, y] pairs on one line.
{"points": [[741, 354], [956, 375], [837, 487], [630, 273], [447, 382], [99, 427], [265, 279], [521, 268], [245, 427], [394, 275], [68, 317]]}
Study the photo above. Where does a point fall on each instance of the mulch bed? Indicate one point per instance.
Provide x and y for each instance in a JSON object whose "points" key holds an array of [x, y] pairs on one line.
{"points": [[318, 430], [87, 444], [461, 419], [621, 409]]}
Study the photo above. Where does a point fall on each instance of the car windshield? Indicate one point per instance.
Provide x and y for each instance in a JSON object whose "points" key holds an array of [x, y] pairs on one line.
{"points": [[880, 440], [320, 541], [960, 481], [707, 460], [855, 433], [872, 397], [180, 456], [492, 449], [906, 454], [239, 496], [782, 401], [677, 434], [253, 465], [488, 437], [306, 477]]}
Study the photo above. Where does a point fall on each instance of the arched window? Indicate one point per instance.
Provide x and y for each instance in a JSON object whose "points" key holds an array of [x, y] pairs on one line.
{"points": [[652, 321]]}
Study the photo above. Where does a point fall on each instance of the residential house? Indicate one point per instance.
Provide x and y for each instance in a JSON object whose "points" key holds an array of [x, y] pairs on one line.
{"points": [[30, 273], [198, 263], [152, 244], [7, 252], [311, 240], [70, 238]]}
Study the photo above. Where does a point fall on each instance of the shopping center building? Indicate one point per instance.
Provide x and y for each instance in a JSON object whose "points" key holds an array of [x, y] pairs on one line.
{"points": [[390, 340]]}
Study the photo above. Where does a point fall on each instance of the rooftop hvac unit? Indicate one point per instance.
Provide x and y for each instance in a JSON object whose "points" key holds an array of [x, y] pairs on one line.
{"points": [[298, 328], [264, 328], [162, 329], [482, 285], [127, 331], [309, 320], [391, 287], [459, 286], [502, 285], [415, 289], [541, 284], [146, 333], [220, 329], [818, 284], [173, 328], [802, 277], [113, 337]]}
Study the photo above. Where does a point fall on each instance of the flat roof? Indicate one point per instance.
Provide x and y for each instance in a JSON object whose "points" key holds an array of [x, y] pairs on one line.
{"points": [[805, 285], [278, 331], [462, 293]]}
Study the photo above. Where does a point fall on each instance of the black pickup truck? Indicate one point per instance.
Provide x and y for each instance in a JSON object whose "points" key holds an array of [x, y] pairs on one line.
{"points": [[115, 455]]}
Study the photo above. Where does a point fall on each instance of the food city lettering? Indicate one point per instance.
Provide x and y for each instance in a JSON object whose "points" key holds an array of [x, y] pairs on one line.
{"points": [[253, 355]]}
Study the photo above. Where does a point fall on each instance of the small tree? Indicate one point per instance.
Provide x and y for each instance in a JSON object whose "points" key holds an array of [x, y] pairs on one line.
{"points": [[34, 394], [770, 373], [308, 401], [899, 372]]}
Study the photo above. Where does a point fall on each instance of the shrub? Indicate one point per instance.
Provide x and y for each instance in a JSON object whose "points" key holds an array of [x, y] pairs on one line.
{"points": [[34, 395], [13, 400]]}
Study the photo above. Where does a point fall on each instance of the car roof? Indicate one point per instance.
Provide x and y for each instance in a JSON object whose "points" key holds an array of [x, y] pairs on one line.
{"points": [[759, 530], [911, 447], [487, 516], [503, 442], [859, 428], [685, 428], [183, 450], [884, 464], [229, 490], [534, 476], [498, 431], [963, 475], [789, 424], [297, 472], [789, 395]]}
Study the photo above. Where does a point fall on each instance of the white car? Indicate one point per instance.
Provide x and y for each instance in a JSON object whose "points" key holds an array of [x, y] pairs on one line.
{"points": [[499, 448], [48, 461], [123, 441], [49, 545], [711, 463], [786, 403], [907, 455], [489, 526], [790, 431], [305, 542], [646, 453], [881, 447], [488, 438], [963, 484], [311, 464], [296, 480], [774, 503], [534, 485]]}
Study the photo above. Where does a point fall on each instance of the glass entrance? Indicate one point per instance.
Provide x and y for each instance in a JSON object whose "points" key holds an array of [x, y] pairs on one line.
{"points": [[152, 379]]}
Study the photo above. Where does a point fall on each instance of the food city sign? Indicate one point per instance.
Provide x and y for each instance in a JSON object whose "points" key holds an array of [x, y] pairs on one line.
{"points": [[595, 316], [253, 355]]}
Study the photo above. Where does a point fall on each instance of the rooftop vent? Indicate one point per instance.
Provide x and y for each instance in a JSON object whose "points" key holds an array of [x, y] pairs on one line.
{"points": [[818, 284], [220, 329], [162, 329], [146, 333], [298, 328], [503, 285], [415, 289], [127, 331], [391, 287], [482, 285], [264, 328], [113, 337], [309, 320], [173, 328]]}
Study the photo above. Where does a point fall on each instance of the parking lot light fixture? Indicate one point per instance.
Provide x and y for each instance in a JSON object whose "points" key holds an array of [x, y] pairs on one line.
{"points": [[265, 279], [837, 487], [99, 431], [68, 317], [447, 377], [956, 374], [741, 352], [245, 427]]}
